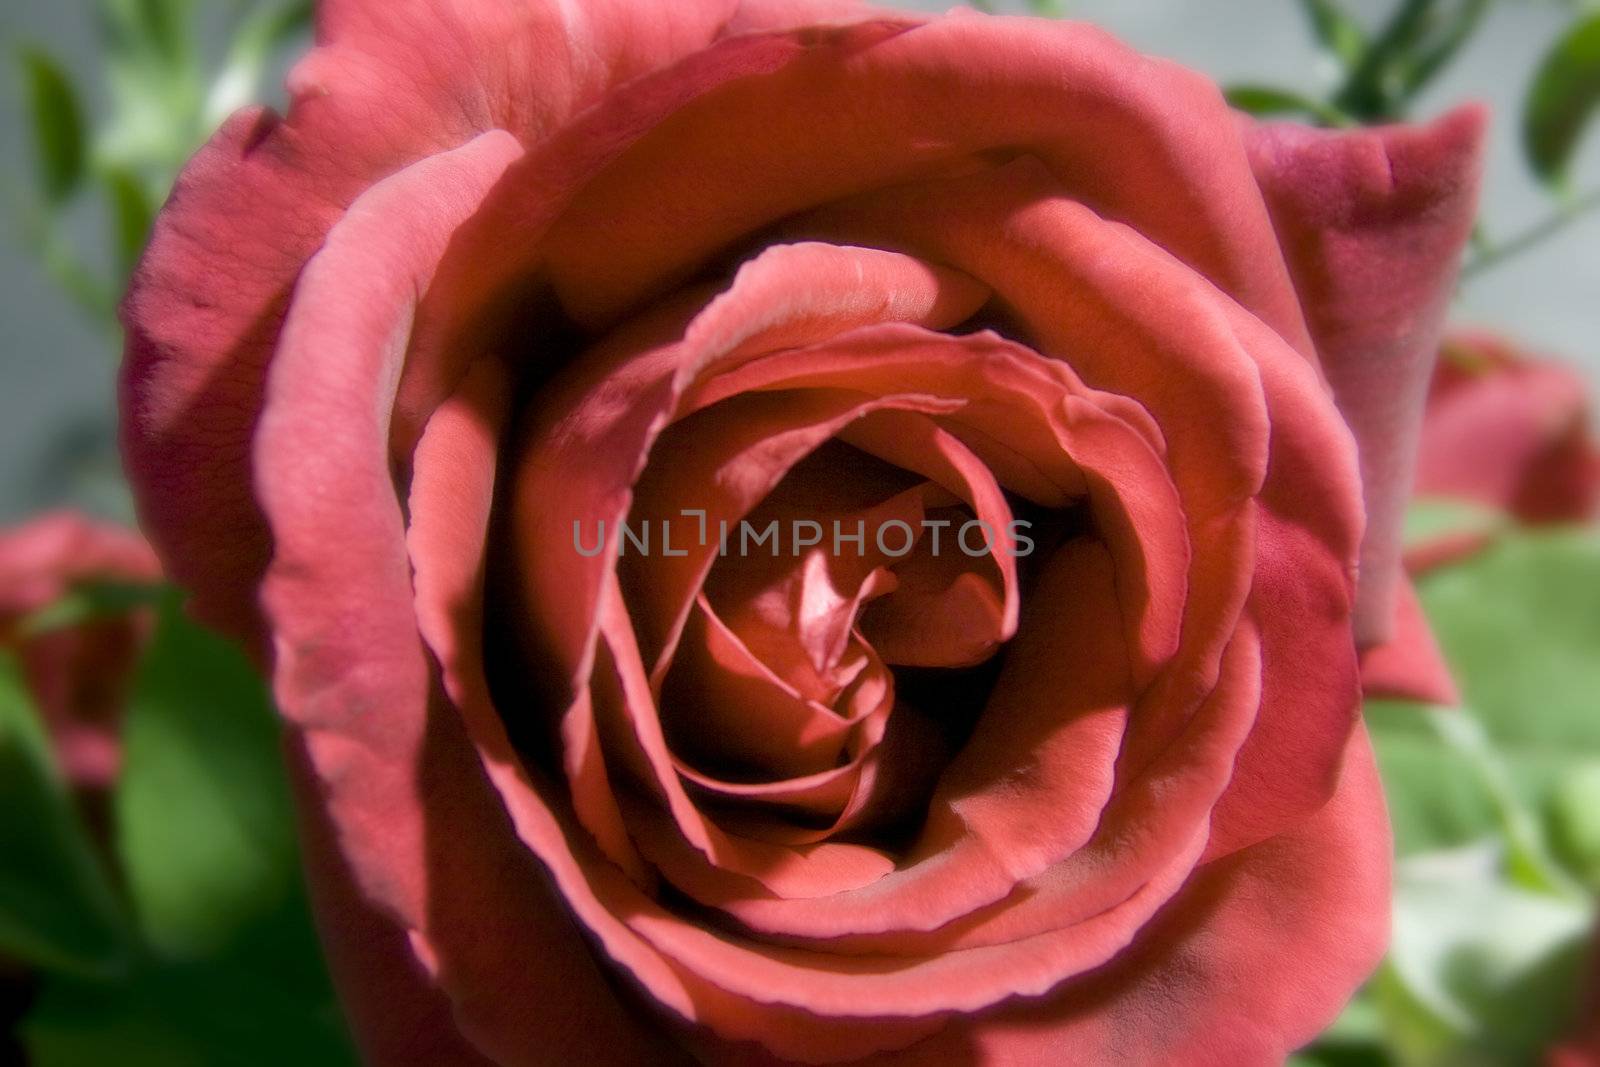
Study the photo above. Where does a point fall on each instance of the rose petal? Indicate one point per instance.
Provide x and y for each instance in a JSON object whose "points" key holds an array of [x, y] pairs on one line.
{"points": [[395, 1012], [1509, 431], [1308, 527], [1024, 421], [1128, 319], [580, 466], [1151, 832], [1145, 141], [1374, 223], [1410, 666], [747, 716], [634, 735], [491, 276], [1025, 791], [1221, 976]]}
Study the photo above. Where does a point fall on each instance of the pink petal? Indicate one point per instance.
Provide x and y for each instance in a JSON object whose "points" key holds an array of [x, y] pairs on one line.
{"points": [[1026, 790], [395, 1012], [586, 453]]}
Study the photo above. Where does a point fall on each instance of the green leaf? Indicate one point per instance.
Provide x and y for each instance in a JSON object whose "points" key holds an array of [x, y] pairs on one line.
{"points": [[57, 909], [202, 808], [234, 973], [1372, 91], [1448, 787], [1335, 30], [1490, 970], [1266, 100], [1561, 100], [1527, 860], [152, 72], [1436, 799], [1453, 31], [1519, 625], [1414, 1034], [59, 141], [1488, 938]]}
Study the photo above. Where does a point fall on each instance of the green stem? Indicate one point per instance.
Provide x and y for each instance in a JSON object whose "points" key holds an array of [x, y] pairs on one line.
{"points": [[1495, 254], [1367, 94]]}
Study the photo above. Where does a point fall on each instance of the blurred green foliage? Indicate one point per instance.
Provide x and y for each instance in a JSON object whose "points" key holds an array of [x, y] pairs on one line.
{"points": [[205, 830], [166, 96], [57, 906], [187, 937]]}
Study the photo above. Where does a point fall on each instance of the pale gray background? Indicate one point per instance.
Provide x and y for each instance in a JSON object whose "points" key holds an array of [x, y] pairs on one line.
{"points": [[56, 370]]}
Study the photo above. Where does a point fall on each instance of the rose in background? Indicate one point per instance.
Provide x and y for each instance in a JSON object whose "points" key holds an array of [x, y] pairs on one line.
{"points": [[1510, 436], [774, 260], [76, 669]]}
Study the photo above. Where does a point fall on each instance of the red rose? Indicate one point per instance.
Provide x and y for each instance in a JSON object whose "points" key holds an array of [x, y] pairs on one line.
{"points": [[511, 271], [78, 674], [1509, 431]]}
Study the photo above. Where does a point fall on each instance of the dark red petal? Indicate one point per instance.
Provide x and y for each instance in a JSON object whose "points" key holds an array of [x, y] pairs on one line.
{"points": [[1374, 223], [1221, 976]]}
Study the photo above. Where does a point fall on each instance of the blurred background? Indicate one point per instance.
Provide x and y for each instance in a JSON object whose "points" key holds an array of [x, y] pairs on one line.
{"points": [[185, 863]]}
